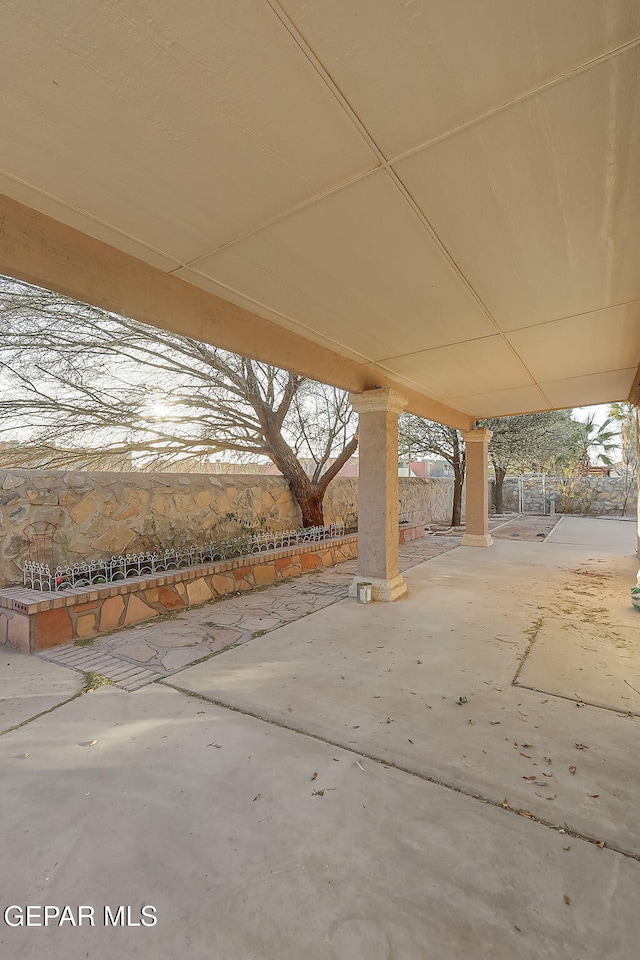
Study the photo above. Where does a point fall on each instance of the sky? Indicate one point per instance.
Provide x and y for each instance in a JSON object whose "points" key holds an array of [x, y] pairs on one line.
{"points": [[601, 412]]}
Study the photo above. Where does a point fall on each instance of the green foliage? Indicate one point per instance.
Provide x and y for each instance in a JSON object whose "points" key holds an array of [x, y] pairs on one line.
{"points": [[625, 418], [92, 681], [575, 494], [533, 441], [418, 437], [596, 442]]}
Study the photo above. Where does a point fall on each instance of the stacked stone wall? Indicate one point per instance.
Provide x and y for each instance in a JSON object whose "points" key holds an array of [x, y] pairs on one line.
{"points": [[592, 496], [97, 515]]}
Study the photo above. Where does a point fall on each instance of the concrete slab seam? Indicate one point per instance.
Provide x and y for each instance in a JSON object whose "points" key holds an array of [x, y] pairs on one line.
{"points": [[43, 713], [389, 764], [587, 703], [531, 635]]}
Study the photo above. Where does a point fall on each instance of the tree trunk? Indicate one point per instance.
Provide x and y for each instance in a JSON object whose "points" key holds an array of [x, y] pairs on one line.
{"points": [[458, 462], [458, 483], [310, 499], [456, 515], [308, 493], [498, 488]]}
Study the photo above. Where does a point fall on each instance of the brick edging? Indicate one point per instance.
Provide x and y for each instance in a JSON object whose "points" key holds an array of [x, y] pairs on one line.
{"points": [[32, 621]]}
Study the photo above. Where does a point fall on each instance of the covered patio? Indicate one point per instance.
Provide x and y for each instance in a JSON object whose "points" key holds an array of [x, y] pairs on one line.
{"points": [[433, 206], [452, 775]]}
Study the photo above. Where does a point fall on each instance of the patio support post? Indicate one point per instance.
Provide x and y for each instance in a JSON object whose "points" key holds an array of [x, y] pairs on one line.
{"points": [[477, 482], [637, 413], [378, 510]]}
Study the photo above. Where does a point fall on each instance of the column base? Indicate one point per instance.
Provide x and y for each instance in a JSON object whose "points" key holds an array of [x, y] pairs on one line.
{"points": [[477, 540], [385, 590]]}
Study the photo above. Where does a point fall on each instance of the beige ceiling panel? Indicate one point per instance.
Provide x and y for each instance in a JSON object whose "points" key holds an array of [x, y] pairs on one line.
{"points": [[539, 205], [9, 187], [205, 283], [412, 71], [502, 403], [403, 381], [583, 391], [579, 346], [359, 268], [179, 124], [465, 369]]}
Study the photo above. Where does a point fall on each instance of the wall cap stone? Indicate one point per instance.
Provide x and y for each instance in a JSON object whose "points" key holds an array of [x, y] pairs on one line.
{"points": [[24, 600]]}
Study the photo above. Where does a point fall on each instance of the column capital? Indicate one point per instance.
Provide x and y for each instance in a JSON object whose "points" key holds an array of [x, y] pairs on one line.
{"points": [[479, 435], [384, 400]]}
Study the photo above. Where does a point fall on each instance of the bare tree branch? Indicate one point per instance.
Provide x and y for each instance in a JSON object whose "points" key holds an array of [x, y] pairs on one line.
{"points": [[81, 385]]}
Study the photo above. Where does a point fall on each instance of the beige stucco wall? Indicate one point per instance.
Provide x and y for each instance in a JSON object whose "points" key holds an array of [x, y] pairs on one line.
{"points": [[99, 514]]}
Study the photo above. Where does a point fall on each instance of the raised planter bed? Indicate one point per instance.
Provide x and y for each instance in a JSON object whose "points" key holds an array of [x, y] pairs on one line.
{"points": [[411, 531], [33, 620]]}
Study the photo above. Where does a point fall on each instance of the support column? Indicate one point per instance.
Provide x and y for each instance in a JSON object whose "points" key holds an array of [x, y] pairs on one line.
{"points": [[637, 415], [477, 481], [378, 510]]}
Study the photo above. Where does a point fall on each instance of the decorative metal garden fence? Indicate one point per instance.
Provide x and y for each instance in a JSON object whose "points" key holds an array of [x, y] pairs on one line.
{"points": [[39, 536], [88, 573]]}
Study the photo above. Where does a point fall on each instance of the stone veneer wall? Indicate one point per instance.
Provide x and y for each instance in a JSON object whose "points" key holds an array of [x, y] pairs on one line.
{"points": [[101, 514], [32, 621], [596, 496]]}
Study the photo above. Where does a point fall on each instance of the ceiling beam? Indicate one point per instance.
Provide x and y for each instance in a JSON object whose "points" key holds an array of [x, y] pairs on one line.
{"points": [[43, 251]]}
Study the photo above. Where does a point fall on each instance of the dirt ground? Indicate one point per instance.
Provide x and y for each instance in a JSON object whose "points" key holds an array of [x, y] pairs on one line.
{"points": [[522, 527], [508, 526]]}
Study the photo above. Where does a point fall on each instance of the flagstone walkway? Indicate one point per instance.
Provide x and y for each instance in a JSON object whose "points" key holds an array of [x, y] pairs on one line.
{"points": [[139, 655], [136, 656]]}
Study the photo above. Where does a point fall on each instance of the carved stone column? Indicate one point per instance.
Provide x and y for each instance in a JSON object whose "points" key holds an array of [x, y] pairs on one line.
{"points": [[378, 511], [477, 483]]}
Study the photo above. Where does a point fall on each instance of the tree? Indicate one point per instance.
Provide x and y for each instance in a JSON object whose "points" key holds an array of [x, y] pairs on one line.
{"points": [[596, 442], [529, 441], [419, 437], [82, 385], [625, 416]]}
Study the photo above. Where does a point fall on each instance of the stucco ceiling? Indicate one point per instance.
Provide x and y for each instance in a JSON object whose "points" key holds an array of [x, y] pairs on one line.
{"points": [[444, 191]]}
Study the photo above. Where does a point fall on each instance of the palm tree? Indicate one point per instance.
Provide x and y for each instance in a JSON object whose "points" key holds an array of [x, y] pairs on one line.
{"points": [[626, 415], [596, 442]]}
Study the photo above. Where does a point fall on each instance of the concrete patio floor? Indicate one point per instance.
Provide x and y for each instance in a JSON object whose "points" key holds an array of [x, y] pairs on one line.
{"points": [[158, 649], [320, 791]]}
